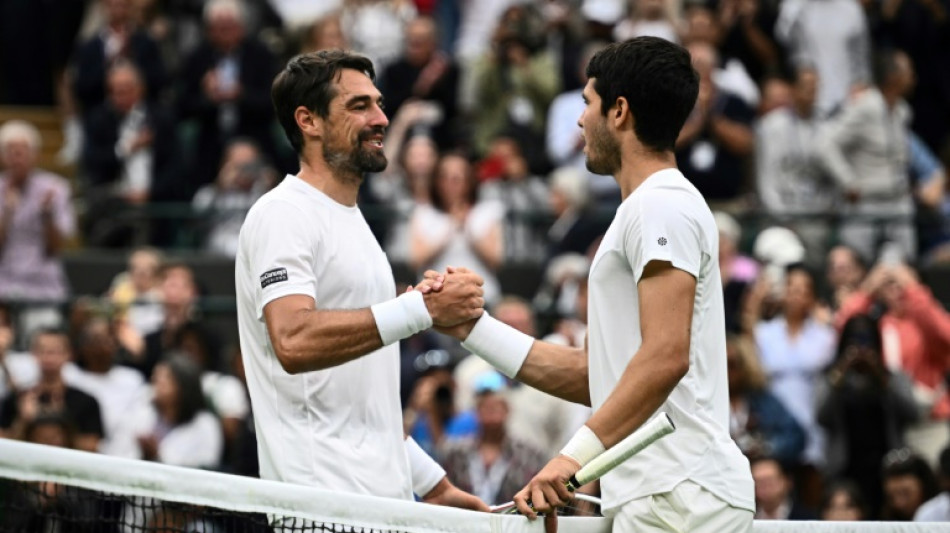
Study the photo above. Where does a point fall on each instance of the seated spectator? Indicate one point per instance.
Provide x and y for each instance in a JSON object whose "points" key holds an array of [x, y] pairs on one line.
{"points": [[845, 273], [119, 40], [36, 221], [136, 295], [176, 429], [576, 225], [514, 85], [937, 509], [525, 197], [790, 181], [225, 89], [717, 137], [730, 73], [908, 483], [120, 391], [244, 177], [758, 422], [737, 271], [51, 394], [326, 33], [377, 28], [424, 73], [128, 160], [653, 18], [773, 493], [18, 370], [491, 465], [431, 414], [916, 329], [863, 407], [456, 229], [844, 501]]}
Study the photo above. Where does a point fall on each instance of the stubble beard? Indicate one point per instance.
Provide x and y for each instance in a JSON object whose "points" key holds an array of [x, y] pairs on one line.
{"points": [[351, 165], [603, 152]]}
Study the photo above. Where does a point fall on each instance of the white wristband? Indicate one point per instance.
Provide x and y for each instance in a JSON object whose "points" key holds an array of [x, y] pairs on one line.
{"points": [[583, 446], [425, 472], [401, 317], [504, 347]]}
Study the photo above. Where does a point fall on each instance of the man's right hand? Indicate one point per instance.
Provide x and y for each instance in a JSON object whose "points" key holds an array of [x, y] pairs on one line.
{"points": [[453, 298]]}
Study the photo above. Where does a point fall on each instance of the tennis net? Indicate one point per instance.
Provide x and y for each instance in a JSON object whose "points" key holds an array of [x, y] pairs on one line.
{"points": [[45, 489]]}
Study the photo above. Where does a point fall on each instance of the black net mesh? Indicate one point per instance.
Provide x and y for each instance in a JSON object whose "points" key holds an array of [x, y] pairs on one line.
{"points": [[46, 507]]}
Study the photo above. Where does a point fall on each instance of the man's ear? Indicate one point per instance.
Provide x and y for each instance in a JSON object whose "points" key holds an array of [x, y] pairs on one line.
{"points": [[620, 113], [309, 123]]}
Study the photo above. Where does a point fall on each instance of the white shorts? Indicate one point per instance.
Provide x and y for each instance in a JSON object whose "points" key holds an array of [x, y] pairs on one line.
{"points": [[686, 508]]}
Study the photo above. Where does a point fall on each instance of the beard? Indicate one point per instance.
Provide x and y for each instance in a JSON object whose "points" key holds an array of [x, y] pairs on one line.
{"points": [[352, 163], [603, 151]]}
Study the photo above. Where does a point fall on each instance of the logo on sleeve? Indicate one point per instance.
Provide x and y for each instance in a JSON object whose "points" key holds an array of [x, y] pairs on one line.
{"points": [[273, 276], [661, 241]]}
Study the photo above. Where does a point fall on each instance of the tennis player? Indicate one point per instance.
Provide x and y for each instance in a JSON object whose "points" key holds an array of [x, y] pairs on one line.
{"points": [[656, 337], [318, 315]]}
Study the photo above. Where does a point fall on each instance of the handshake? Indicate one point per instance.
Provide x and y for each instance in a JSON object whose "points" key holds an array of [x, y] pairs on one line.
{"points": [[455, 299]]}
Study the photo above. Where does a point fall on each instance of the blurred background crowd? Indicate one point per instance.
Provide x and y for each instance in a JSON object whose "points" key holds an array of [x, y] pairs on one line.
{"points": [[135, 134]]}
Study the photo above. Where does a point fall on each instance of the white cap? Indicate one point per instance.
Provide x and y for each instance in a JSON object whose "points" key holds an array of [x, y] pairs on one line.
{"points": [[778, 246]]}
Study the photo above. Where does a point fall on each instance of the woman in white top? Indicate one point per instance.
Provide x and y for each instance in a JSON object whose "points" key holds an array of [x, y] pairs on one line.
{"points": [[456, 230], [176, 428]]}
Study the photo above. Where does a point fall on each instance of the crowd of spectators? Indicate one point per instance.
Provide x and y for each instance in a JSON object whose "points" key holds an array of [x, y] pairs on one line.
{"points": [[824, 122]]}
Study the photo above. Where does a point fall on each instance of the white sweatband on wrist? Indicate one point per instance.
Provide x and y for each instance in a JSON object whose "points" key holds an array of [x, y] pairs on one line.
{"points": [[425, 472], [401, 317], [501, 345], [583, 446]]}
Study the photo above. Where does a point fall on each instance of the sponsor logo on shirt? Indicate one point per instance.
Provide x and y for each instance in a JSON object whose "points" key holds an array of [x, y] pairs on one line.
{"points": [[661, 241], [273, 276]]}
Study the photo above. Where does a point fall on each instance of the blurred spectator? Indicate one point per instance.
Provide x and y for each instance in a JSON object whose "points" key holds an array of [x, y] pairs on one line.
{"points": [[908, 483], [776, 94], [729, 73], [937, 509], [51, 394], [773, 493], [492, 465], [456, 229], [777, 249], [225, 88], [129, 160], [717, 137], [865, 151], [929, 180], [120, 391], [243, 178], [845, 272], [576, 224], [176, 428], [18, 370], [564, 138], [863, 407], [478, 20], [758, 422], [36, 221], [135, 293], [325, 34], [746, 35], [655, 18], [795, 348], [844, 501], [241, 452], [119, 40], [839, 52], [916, 333], [431, 414], [791, 183], [525, 197], [377, 28], [738, 272], [515, 84], [570, 328], [424, 73]]}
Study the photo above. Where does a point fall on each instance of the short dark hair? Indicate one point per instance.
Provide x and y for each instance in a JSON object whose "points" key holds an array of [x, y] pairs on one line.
{"points": [[307, 81], [658, 81], [885, 65]]}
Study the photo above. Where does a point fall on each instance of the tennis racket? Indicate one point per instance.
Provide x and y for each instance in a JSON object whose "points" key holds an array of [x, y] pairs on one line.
{"points": [[661, 426]]}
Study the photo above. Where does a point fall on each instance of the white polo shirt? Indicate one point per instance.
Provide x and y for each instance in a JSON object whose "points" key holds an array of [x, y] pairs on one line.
{"points": [[667, 219], [338, 428]]}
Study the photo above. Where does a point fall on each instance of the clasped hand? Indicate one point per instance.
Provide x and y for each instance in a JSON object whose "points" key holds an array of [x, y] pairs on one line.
{"points": [[454, 297]]}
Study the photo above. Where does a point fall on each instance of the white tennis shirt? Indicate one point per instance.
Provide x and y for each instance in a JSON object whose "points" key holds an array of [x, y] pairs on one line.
{"points": [[338, 428], [667, 219]]}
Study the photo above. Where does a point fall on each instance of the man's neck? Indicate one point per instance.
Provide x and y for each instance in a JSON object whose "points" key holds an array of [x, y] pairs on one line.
{"points": [[54, 382], [342, 189], [638, 165]]}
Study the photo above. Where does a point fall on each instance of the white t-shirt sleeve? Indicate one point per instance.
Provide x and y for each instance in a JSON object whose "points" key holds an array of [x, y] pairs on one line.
{"points": [[663, 230], [281, 259]]}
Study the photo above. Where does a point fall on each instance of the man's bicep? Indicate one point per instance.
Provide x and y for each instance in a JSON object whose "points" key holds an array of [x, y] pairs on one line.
{"points": [[279, 313], [667, 296]]}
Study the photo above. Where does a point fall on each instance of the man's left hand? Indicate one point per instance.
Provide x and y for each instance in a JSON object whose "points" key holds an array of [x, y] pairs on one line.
{"points": [[445, 493]]}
